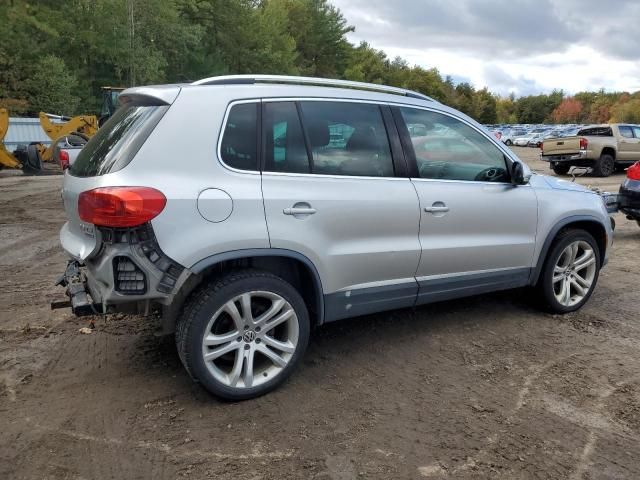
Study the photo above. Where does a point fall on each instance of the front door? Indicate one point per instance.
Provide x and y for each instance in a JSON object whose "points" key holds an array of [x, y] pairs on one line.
{"points": [[477, 230], [331, 193]]}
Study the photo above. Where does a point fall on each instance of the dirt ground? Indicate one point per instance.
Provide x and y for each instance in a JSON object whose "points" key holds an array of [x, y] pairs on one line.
{"points": [[486, 387]]}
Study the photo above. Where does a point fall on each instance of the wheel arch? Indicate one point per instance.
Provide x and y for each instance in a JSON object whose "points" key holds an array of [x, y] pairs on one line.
{"points": [[579, 222], [290, 265], [609, 151]]}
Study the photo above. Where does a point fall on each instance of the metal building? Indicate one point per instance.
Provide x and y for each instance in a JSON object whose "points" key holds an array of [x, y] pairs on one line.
{"points": [[23, 131]]}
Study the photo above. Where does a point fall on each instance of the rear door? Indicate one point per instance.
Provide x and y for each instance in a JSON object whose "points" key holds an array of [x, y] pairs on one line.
{"points": [[477, 230], [636, 149], [335, 191], [628, 143]]}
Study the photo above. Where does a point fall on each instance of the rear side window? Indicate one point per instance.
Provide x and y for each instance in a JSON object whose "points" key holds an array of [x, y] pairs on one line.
{"points": [[626, 131], [347, 139], [239, 148], [285, 149], [117, 141], [597, 132]]}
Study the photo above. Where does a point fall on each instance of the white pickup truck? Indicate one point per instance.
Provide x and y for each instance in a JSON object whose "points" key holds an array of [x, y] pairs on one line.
{"points": [[66, 149], [600, 147]]}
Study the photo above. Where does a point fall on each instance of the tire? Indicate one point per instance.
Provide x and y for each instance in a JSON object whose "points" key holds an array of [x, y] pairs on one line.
{"points": [[558, 264], [604, 166], [508, 143], [561, 169], [244, 339], [33, 164]]}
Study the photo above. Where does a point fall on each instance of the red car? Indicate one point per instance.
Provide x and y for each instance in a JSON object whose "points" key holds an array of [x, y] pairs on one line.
{"points": [[629, 195]]}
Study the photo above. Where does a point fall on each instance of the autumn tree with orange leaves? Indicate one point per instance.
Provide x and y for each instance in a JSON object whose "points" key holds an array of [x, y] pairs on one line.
{"points": [[569, 111]]}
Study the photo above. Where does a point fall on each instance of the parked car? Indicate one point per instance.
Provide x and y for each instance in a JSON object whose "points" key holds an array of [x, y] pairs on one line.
{"points": [[524, 140], [508, 137], [629, 197], [600, 147], [66, 149], [536, 140], [305, 203]]}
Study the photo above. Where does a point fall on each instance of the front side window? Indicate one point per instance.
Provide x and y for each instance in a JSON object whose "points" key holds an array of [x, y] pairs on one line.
{"points": [[626, 131], [448, 149], [239, 147], [347, 139], [636, 132]]}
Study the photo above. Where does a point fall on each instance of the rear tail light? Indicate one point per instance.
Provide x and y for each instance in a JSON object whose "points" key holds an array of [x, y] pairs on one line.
{"points": [[583, 143], [120, 206], [541, 145], [633, 172], [63, 158]]}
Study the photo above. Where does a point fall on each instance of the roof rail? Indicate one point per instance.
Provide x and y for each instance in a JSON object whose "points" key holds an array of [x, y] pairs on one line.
{"points": [[325, 82]]}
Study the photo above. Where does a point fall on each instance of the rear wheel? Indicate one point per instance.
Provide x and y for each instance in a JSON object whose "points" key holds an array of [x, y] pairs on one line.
{"points": [[571, 271], [561, 168], [243, 334], [604, 166], [508, 143]]}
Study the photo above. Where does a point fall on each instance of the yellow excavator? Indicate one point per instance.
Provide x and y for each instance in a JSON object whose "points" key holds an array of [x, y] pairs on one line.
{"points": [[29, 158]]}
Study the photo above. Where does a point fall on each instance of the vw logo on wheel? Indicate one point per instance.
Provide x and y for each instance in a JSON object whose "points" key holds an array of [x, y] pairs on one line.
{"points": [[249, 336]]}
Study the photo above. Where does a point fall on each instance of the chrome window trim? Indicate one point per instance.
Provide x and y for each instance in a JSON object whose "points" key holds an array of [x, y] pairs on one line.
{"points": [[475, 182], [221, 135], [510, 155]]}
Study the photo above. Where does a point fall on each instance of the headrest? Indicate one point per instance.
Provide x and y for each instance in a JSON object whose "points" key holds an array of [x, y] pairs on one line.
{"points": [[318, 133]]}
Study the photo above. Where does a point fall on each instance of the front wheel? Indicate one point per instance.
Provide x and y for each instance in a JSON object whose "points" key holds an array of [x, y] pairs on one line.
{"points": [[571, 271], [242, 335], [508, 143]]}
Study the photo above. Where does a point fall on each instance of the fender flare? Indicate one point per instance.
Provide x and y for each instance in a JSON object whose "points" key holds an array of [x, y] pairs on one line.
{"points": [[537, 269], [207, 262]]}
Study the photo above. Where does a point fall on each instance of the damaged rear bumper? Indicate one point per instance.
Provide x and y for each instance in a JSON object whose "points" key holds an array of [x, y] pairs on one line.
{"points": [[75, 282]]}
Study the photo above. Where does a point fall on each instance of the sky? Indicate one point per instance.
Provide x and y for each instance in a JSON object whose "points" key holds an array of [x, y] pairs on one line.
{"points": [[523, 47]]}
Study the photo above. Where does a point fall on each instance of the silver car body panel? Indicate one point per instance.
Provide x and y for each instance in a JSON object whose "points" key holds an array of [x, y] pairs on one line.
{"points": [[370, 241]]}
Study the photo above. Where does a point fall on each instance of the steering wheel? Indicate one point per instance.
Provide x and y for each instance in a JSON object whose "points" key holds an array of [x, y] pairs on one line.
{"points": [[490, 174]]}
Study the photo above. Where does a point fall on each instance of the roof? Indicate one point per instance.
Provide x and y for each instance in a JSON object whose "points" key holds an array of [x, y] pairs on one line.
{"points": [[23, 131]]}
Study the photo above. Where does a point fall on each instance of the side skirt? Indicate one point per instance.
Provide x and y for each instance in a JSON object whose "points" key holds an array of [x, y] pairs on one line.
{"points": [[436, 289]]}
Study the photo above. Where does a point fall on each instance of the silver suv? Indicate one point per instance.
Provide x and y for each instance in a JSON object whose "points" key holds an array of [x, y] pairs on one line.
{"points": [[249, 209]]}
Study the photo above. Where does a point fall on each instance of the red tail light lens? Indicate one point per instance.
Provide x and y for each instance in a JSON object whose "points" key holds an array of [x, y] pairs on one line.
{"points": [[583, 143], [541, 145], [120, 206], [63, 158], [633, 172]]}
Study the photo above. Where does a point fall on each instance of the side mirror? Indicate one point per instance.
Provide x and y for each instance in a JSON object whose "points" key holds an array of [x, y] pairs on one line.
{"points": [[517, 173]]}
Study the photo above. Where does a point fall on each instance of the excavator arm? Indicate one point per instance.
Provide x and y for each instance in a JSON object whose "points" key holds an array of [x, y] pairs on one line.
{"points": [[7, 159], [86, 125]]}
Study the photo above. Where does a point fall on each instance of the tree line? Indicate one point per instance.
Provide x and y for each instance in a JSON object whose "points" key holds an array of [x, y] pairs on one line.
{"points": [[57, 54]]}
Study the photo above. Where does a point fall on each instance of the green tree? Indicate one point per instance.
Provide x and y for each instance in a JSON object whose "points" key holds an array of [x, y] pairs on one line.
{"points": [[51, 87]]}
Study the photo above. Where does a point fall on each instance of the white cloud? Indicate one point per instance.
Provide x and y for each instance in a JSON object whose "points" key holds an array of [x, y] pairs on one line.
{"points": [[522, 46]]}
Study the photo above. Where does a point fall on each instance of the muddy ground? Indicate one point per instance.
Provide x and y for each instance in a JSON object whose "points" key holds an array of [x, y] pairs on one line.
{"points": [[486, 387]]}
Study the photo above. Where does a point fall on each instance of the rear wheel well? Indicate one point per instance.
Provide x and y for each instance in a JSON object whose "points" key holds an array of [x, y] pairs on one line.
{"points": [[608, 151], [296, 272]]}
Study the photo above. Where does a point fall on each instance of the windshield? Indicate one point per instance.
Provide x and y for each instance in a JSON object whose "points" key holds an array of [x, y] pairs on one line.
{"points": [[117, 141]]}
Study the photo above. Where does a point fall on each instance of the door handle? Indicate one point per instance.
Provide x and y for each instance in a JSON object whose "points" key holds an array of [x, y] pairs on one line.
{"points": [[299, 211], [441, 209]]}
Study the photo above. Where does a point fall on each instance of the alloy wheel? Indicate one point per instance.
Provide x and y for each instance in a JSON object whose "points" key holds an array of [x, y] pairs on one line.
{"points": [[573, 273], [250, 339]]}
